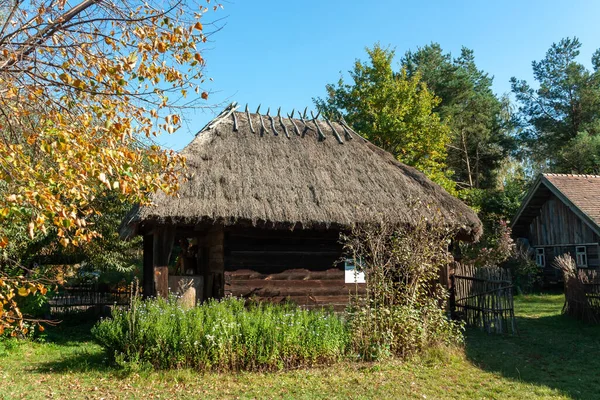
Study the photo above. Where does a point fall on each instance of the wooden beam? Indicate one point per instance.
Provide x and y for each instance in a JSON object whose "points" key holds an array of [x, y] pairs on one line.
{"points": [[565, 244], [214, 281], [161, 280], [147, 270], [163, 239]]}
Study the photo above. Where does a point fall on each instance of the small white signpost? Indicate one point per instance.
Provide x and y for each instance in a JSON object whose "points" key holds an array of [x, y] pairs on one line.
{"points": [[352, 275]]}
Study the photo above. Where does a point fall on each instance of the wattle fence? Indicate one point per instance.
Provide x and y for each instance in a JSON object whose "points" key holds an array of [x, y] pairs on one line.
{"points": [[483, 298], [582, 295], [81, 298], [592, 293]]}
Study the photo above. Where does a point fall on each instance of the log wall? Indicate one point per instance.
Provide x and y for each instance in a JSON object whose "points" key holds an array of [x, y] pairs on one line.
{"points": [[300, 266]]}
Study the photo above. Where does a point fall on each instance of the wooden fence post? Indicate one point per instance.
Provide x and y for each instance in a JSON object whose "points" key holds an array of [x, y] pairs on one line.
{"points": [[161, 280], [452, 299]]}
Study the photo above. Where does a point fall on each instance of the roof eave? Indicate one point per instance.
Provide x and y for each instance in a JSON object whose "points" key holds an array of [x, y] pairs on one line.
{"points": [[584, 217], [526, 201], [547, 183]]}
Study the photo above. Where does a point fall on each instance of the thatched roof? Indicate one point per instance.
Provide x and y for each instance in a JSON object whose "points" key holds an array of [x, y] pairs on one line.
{"points": [[297, 178]]}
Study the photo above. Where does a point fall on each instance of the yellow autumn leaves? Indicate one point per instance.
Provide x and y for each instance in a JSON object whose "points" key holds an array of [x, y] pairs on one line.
{"points": [[8, 286], [10, 315], [82, 94]]}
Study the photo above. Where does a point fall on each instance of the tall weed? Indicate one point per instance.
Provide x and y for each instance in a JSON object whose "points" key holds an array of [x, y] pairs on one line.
{"points": [[222, 335], [404, 310]]}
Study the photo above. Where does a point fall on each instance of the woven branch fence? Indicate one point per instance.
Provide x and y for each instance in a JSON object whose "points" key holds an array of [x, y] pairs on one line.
{"points": [[582, 290], [483, 298], [80, 298], [591, 285]]}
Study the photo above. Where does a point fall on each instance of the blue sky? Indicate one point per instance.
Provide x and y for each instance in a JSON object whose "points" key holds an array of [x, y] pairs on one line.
{"points": [[283, 53]]}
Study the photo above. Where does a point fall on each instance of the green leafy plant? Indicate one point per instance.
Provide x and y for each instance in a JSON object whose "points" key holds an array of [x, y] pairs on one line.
{"points": [[526, 274], [221, 335], [497, 249]]}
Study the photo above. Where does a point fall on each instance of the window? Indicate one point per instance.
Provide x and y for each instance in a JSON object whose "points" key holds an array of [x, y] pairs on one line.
{"points": [[540, 257], [581, 256]]}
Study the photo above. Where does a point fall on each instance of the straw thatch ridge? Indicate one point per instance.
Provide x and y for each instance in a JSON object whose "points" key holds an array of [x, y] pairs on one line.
{"points": [[297, 179]]}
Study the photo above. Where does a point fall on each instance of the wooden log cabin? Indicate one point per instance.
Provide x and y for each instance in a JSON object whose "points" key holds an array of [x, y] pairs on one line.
{"points": [[561, 214], [263, 205]]}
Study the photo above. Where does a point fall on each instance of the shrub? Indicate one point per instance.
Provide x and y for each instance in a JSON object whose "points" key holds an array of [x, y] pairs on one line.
{"points": [[221, 335], [497, 249], [401, 329], [403, 312], [526, 274]]}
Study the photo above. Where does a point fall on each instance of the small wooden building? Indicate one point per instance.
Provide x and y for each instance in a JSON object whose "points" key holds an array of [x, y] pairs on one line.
{"points": [[264, 202], [561, 214]]}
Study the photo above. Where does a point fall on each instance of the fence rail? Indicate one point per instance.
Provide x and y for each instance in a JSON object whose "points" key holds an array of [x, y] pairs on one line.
{"points": [[80, 298], [482, 297]]}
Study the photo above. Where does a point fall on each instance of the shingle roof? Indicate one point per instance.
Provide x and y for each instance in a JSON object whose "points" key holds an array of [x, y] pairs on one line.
{"points": [[580, 192]]}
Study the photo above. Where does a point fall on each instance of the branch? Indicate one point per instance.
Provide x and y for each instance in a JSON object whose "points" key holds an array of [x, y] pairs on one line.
{"points": [[43, 35], [9, 17]]}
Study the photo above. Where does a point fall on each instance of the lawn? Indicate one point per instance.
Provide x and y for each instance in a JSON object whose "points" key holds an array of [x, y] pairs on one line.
{"points": [[554, 357]]}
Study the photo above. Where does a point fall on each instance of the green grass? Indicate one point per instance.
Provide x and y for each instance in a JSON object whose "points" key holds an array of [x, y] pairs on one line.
{"points": [[554, 357], [552, 350]]}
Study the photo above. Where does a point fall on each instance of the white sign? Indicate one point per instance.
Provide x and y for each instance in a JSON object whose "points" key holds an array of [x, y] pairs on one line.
{"points": [[351, 275]]}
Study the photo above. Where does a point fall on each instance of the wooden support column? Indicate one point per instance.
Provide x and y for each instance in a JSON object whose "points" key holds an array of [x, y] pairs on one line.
{"points": [[452, 299], [162, 246], [148, 268], [214, 280]]}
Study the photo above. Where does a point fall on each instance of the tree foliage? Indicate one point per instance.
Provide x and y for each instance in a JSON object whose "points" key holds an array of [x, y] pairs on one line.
{"points": [[80, 83], [560, 120], [478, 119], [107, 252], [581, 154], [394, 111]]}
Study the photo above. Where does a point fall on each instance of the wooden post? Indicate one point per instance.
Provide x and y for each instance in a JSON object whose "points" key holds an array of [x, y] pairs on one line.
{"points": [[162, 246], [161, 280], [148, 268], [214, 281], [452, 299]]}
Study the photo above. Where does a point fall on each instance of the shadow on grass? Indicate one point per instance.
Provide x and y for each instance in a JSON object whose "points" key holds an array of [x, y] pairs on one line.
{"points": [[73, 348], [552, 350], [80, 362], [71, 329], [69, 333]]}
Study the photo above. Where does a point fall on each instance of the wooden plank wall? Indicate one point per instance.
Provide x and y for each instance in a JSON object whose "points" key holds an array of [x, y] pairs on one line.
{"points": [[300, 266], [557, 224], [559, 230], [550, 274], [593, 254]]}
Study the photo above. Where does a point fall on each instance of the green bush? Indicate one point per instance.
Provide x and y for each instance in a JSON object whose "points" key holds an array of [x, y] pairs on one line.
{"points": [[221, 335], [401, 330], [404, 309]]}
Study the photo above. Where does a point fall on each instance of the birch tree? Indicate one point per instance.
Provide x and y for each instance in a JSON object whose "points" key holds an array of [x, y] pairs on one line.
{"points": [[81, 82]]}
